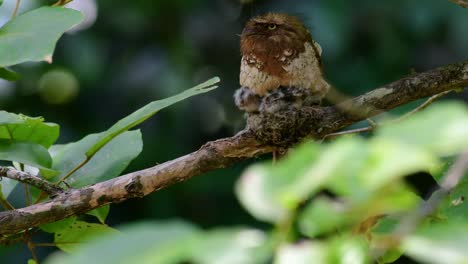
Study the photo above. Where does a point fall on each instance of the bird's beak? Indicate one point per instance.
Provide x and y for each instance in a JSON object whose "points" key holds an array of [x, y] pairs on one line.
{"points": [[247, 31]]}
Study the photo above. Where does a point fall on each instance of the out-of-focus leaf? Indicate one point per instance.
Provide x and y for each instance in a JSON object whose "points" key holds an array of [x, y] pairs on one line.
{"points": [[59, 225], [108, 163], [374, 167], [32, 36], [100, 213], [142, 243], [146, 112], [24, 152], [29, 129], [348, 250], [31, 261], [455, 205], [229, 246], [258, 187], [8, 75], [71, 238], [441, 128], [444, 242], [303, 252], [323, 215], [351, 167], [381, 234]]}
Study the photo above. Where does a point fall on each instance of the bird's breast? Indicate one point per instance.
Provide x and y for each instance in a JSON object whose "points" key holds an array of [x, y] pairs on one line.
{"points": [[287, 67]]}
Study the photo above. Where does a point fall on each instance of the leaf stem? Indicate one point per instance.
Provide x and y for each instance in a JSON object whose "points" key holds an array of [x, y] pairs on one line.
{"points": [[373, 125], [15, 11], [79, 166], [7, 205]]}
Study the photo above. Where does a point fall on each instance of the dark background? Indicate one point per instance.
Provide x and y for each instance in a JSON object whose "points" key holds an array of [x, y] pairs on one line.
{"points": [[140, 51]]}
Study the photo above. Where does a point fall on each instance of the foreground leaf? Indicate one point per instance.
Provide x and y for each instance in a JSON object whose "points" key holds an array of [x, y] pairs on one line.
{"points": [[32, 36], [142, 243], [441, 128], [230, 246], [439, 243]]}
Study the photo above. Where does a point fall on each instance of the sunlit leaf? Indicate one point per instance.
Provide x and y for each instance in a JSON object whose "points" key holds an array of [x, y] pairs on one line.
{"points": [[442, 128], [444, 242], [229, 246], [303, 252], [32, 36]]}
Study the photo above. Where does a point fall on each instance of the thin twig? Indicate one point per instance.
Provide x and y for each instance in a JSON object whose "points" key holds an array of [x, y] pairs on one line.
{"points": [[15, 11], [6, 204], [70, 173], [373, 124], [61, 2], [27, 193], [422, 106], [27, 178]]}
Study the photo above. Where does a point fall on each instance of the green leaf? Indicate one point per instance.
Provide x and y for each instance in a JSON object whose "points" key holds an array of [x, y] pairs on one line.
{"points": [[29, 129], [71, 238], [455, 206], [165, 242], [229, 246], [146, 112], [100, 213], [352, 249], [24, 152], [8, 75], [258, 188], [58, 226], [323, 215], [7, 185], [32, 36], [442, 128], [304, 252], [108, 163], [444, 242], [113, 161]]}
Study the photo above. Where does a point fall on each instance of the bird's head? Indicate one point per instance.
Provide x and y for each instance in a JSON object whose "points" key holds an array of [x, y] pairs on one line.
{"points": [[275, 28]]}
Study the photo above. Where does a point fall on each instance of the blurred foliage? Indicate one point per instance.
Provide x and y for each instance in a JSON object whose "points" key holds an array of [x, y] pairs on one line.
{"points": [[127, 53]]}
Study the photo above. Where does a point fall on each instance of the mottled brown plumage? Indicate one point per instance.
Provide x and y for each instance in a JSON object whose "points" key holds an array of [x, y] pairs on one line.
{"points": [[278, 51]]}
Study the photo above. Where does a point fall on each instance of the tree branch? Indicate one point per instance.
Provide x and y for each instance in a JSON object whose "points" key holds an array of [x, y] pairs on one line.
{"points": [[27, 178], [462, 3], [313, 122]]}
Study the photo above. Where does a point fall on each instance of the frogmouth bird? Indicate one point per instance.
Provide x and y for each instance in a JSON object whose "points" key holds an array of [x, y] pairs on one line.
{"points": [[280, 62]]}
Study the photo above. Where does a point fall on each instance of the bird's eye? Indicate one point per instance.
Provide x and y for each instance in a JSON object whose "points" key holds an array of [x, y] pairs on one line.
{"points": [[271, 26]]}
